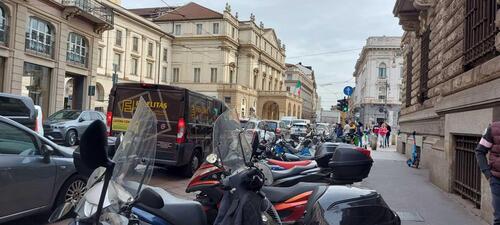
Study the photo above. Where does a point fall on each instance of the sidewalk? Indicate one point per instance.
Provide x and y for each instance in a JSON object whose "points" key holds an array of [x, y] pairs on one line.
{"points": [[409, 192]]}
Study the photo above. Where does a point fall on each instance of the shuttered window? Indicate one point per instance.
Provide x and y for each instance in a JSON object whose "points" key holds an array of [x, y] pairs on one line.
{"points": [[424, 66], [409, 68]]}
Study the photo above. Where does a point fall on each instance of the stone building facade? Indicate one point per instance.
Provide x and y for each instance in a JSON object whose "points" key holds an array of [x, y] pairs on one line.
{"points": [[44, 43], [378, 70], [141, 50], [217, 54], [305, 75], [451, 78]]}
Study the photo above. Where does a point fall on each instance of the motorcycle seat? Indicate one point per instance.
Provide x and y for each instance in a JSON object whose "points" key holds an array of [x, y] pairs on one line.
{"points": [[177, 211], [289, 165], [279, 174], [282, 194]]}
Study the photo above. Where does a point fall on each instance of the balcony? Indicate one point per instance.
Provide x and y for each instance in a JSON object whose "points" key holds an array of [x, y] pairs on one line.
{"points": [[92, 10]]}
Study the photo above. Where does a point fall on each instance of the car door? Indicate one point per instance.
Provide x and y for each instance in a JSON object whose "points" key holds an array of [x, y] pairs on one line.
{"points": [[26, 180]]}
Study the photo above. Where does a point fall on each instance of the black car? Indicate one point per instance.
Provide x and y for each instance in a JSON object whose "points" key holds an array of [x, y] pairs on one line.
{"points": [[185, 120], [20, 109]]}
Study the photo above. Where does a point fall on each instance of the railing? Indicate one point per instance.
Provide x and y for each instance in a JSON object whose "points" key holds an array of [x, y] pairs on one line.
{"points": [[467, 177], [480, 31], [92, 7], [35, 47]]}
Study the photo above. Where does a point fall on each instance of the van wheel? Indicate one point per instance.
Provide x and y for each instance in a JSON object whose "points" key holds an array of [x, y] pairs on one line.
{"points": [[195, 161], [71, 138]]}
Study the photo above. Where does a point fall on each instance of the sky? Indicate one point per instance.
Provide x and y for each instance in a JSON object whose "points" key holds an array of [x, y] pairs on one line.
{"points": [[325, 34]]}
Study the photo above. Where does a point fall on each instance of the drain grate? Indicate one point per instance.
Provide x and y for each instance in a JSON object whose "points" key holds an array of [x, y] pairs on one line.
{"points": [[410, 216]]}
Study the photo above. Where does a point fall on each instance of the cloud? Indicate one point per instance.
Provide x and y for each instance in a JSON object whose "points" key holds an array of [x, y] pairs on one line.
{"points": [[314, 26]]}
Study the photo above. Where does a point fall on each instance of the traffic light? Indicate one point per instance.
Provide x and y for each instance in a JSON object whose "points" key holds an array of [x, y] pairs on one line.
{"points": [[343, 105]]}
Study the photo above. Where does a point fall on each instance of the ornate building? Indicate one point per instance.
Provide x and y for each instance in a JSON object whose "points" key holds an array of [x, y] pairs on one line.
{"points": [[378, 70], [451, 75], [219, 55], [303, 75]]}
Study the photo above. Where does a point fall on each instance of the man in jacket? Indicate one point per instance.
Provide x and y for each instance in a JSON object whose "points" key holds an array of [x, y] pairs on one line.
{"points": [[490, 142]]}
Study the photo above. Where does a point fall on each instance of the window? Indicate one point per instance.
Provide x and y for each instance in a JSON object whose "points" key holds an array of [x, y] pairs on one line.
{"points": [[3, 25], [117, 60], [150, 49], [382, 71], [134, 66], [480, 31], [99, 57], [424, 66], [39, 37], [164, 74], [227, 100], [165, 54], [135, 44], [177, 29], [16, 141], [287, 88], [233, 33], [270, 85], [77, 49], [263, 84], [409, 68], [255, 81], [118, 40], [256, 39], [197, 72], [199, 29], [231, 77], [289, 76], [149, 73], [382, 93], [175, 75], [216, 28], [213, 75], [36, 84]]}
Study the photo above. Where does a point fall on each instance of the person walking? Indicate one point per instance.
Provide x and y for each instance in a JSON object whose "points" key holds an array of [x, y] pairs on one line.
{"points": [[382, 133], [490, 142], [388, 136]]}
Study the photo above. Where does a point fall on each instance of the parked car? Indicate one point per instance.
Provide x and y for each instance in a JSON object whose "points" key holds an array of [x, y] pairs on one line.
{"points": [[68, 125], [298, 129], [259, 126], [279, 128], [20, 109], [322, 129], [35, 173], [185, 120]]}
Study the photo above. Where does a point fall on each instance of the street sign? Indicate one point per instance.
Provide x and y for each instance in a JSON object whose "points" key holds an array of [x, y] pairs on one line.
{"points": [[348, 90]]}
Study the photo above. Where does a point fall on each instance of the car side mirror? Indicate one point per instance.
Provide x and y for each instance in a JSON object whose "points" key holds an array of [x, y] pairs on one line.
{"points": [[81, 119], [46, 151], [150, 198]]}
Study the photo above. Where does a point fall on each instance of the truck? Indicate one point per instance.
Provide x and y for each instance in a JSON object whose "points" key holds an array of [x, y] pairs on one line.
{"points": [[184, 117]]}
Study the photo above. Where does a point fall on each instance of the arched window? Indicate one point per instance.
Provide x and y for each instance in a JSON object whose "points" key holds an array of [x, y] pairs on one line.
{"points": [[382, 71], [3, 24], [40, 37], [77, 49]]}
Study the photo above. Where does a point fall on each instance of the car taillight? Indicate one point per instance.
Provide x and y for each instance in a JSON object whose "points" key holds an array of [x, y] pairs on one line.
{"points": [[364, 151], [109, 119], [181, 131]]}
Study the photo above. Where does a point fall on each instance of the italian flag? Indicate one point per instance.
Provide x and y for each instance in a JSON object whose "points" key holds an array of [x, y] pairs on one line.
{"points": [[298, 87]]}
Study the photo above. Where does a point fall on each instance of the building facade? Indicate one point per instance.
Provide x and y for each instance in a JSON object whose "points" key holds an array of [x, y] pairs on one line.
{"points": [[329, 116], [45, 43], [376, 97], [303, 76], [140, 49], [451, 76], [239, 62]]}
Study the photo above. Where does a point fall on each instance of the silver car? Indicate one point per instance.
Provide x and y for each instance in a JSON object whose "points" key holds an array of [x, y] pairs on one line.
{"points": [[35, 173], [67, 125]]}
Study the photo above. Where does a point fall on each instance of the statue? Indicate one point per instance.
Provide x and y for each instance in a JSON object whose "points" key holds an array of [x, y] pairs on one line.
{"points": [[236, 15], [252, 17], [284, 47], [261, 25], [228, 7]]}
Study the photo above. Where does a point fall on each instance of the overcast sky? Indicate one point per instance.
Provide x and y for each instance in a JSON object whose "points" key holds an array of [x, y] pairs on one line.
{"points": [[312, 27]]}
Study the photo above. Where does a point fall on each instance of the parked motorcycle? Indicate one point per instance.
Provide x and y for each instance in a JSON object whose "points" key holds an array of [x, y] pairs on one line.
{"points": [[117, 191]]}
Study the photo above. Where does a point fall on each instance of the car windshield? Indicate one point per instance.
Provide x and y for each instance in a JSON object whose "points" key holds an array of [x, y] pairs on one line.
{"points": [[65, 115], [230, 142], [272, 125], [299, 125]]}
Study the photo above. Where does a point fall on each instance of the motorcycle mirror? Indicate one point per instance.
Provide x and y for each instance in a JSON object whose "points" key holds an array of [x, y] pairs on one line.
{"points": [[150, 198], [212, 158], [93, 145], [60, 212]]}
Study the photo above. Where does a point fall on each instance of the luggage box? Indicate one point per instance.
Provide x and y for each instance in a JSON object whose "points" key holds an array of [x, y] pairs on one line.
{"points": [[324, 152], [350, 165]]}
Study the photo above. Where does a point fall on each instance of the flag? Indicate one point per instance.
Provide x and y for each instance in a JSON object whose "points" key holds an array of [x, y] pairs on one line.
{"points": [[298, 86]]}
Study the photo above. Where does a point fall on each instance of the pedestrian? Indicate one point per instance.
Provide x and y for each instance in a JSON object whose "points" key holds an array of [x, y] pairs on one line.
{"points": [[388, 136], [382, 132], [490, 142], [347, 128]]}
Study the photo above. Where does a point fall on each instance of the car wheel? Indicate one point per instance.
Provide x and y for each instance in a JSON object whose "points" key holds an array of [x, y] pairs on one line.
{"points": [[72, 190], [195, 161], [71, 138]]}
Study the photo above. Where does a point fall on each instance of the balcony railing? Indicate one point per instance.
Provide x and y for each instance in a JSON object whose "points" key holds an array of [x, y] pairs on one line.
{"points": [[93, 8]]}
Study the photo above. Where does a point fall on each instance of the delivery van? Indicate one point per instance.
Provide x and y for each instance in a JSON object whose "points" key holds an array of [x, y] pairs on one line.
{"points": [[184, 117]]}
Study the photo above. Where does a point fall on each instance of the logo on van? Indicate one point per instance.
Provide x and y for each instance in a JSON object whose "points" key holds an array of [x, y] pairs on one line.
{"points": [[130, 105]]}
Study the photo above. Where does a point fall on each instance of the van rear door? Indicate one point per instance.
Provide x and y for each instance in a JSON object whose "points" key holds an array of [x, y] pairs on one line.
{"points": [[168, 105]]}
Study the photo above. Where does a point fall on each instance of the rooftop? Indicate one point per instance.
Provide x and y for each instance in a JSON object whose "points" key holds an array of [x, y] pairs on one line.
{"points": [[190, 11]]}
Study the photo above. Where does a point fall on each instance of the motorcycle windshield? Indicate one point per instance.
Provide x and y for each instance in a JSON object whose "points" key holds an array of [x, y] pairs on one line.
{"points": [[230, 142], [134, 162]]}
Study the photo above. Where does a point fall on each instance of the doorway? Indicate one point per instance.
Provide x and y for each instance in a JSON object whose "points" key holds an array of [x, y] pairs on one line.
{"points": [[74, 91]]}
